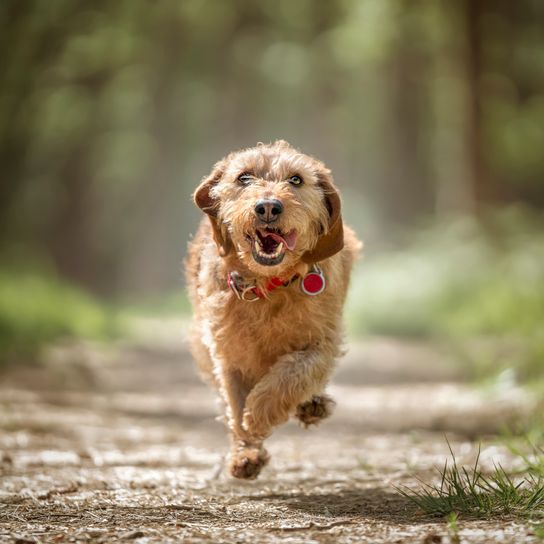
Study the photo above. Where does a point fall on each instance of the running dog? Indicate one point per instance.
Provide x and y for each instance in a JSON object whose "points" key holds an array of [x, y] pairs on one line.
{"points": [[267, 274]]}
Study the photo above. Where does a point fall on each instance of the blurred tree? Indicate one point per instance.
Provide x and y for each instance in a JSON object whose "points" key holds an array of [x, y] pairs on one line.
{"points": [[483, 190], [20, 62], [110, 112], [411, 190]]}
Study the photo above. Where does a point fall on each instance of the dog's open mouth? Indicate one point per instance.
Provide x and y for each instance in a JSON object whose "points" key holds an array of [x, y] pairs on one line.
{"points": [[270, 245]]}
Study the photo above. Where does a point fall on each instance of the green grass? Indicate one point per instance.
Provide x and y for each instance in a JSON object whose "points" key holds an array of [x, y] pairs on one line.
{"points": [[453, 527], [530, 454], [472, 493], [36, 307], [538, 531]]}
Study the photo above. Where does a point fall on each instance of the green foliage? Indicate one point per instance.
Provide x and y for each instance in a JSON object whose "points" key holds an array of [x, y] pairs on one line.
{"points": [[463, 283], [36, 308], [110, 113], [472, 493], [166, 304]]}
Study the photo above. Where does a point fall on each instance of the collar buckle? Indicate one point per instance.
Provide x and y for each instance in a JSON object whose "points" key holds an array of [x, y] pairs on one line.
{"points": [[241, 288]]}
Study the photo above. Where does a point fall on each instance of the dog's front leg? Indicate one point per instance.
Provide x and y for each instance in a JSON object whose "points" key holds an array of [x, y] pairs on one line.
{"points": [[294, 379], [248, 456]]}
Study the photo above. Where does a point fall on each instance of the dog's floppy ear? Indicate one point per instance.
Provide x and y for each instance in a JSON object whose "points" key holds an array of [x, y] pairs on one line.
{"points": [[332, 240], [210, 205]]}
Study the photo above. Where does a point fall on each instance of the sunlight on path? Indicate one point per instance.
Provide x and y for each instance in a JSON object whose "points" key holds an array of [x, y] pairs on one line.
{"points": [[125, 445]]}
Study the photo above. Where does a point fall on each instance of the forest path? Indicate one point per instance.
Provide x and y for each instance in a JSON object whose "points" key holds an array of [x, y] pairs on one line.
{"points": [[104, 445]]}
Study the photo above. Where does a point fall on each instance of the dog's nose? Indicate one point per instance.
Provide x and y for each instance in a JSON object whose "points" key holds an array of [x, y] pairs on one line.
{"points": [[268, 210]]}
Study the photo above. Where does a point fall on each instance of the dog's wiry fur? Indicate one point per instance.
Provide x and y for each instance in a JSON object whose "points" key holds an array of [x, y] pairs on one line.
{"points": [[272, 358]]}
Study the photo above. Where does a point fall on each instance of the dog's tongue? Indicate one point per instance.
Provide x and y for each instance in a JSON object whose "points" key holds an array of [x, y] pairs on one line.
{"points": [[289, 239]]}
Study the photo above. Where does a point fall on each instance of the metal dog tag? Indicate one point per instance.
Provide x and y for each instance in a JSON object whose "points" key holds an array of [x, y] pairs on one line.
{"points": [[313, 283]]}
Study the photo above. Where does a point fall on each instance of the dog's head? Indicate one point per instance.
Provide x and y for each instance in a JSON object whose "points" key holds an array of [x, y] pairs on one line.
{"points": [[273, 206]]}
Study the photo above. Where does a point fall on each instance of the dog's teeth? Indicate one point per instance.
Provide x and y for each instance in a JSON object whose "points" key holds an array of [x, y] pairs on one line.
{"points": [[260, 251]]}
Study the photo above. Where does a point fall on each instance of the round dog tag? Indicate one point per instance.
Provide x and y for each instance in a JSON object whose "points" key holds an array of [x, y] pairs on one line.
{"points": [[313, 283]]}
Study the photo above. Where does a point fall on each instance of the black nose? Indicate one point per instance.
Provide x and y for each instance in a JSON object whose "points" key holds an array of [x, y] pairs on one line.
{"points": [[268, 210]]}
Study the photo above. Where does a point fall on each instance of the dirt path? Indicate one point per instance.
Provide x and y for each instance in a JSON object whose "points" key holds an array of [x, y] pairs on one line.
{"points": [[108, 445]]}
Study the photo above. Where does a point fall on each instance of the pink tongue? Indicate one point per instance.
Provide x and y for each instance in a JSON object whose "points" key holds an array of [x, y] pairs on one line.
{"points": [[289, 240]]}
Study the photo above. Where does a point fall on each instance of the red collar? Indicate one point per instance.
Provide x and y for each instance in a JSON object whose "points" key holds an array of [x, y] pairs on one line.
{"points": [[312, 284], [249, 292]]}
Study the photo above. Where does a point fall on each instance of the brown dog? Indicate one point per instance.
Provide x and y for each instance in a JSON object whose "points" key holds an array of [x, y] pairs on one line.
{"points": [[267, 274]]}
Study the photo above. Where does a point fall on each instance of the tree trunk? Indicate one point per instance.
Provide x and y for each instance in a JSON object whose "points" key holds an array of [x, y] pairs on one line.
{"points": [[483, 189]]}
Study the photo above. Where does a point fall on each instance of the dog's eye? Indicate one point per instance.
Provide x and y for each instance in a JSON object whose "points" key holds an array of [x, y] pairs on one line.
{"points": [[295, 180], [245, 178]]}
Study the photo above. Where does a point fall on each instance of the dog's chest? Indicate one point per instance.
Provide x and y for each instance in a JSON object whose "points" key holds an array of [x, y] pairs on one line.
{"points": [[254, 335]]}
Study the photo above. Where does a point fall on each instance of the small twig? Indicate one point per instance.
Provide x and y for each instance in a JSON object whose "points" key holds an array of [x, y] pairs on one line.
{"points": [[313, 525]]}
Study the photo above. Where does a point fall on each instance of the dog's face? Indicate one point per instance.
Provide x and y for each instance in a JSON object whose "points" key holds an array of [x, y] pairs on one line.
{"points": [[273, 206]]}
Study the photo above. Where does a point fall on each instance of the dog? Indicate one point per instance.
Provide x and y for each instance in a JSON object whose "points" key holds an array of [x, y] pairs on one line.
{"points": [[267, 275]]}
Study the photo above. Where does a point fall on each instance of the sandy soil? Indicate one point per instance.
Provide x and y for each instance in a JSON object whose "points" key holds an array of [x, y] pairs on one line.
{"points": [[105, 445]]}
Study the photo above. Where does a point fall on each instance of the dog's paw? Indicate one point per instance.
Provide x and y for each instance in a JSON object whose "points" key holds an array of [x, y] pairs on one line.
{"points": [[247, 463], [315, 410]]}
